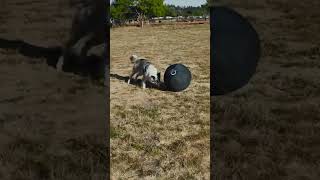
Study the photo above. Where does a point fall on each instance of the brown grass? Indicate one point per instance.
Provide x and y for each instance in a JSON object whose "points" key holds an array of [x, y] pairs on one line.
{"points": [[270, 128], [52, 124], [157, 134]]}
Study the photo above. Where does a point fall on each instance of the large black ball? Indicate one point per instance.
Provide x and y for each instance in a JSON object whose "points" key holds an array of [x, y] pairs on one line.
{"points": [[177, 77], [235, 50]]}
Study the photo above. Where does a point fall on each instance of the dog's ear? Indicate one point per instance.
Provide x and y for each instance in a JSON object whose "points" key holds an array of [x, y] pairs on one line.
{"points": [[133, 58]]}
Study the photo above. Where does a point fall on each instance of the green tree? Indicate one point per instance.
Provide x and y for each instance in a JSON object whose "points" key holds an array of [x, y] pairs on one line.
{"points": [[141, 9], [120, 9], [205, 9], [170, 10], [148, 9]]}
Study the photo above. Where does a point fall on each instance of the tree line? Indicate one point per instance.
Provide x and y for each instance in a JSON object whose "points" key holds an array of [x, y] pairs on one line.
{"points": [[174, 11], [140, 10]]}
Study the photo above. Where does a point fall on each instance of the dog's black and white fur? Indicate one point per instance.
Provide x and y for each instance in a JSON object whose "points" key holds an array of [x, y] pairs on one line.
{"points": [[88, 30], [143, 67]]}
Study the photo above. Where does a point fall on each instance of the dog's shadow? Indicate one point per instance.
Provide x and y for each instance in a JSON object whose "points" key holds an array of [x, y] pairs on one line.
{"points": [[138, 82], [51, 54], [93, 68]]}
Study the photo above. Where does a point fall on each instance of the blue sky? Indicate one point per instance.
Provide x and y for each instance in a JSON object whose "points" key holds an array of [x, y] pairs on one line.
{"points": [[183, 2]]}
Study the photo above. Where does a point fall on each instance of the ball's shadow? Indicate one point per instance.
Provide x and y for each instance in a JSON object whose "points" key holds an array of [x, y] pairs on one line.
{"points": [[138, 82]]}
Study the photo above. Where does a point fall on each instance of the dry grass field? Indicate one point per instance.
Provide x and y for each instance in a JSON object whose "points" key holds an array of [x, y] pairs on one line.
{"points": [[159, 134], [271, 128], [52, 124]]}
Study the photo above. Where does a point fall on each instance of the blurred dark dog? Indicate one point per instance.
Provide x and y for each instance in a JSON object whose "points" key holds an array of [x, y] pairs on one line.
{"points": [[88, 38]]}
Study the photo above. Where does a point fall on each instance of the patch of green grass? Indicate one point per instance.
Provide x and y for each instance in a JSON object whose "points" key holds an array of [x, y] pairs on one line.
{"points": [[114, 133], [138, 146]]}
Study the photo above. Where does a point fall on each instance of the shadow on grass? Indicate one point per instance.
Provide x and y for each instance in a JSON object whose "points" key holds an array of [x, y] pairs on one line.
{"points": [[138, 82], [51, 54], [94, 66]]}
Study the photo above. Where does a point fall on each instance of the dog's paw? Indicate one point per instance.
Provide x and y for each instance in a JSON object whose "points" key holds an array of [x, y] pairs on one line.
{"points": [[59, 65], [143, 85], [129, 81]]}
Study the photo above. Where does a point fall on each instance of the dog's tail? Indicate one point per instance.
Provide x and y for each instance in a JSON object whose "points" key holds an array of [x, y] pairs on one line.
{"points": [[133, 58]]}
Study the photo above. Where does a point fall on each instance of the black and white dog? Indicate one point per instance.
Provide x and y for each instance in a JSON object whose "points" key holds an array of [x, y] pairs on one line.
{"points": [[143, 67], [88, 31]]}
